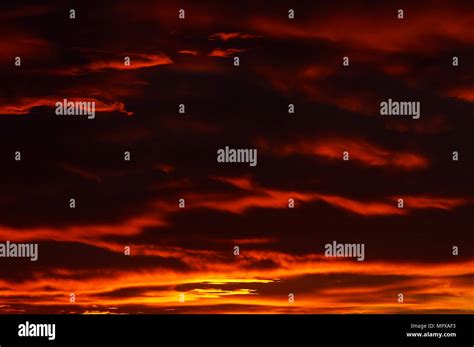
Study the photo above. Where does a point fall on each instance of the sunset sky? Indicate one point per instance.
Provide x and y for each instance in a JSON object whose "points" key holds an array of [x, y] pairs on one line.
{"points": [[190, 250]]}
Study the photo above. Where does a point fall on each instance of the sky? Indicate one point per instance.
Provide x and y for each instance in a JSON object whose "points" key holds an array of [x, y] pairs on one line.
{"points": [[183, 260]]}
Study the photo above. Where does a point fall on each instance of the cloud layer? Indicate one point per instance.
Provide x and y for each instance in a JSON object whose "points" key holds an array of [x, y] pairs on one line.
{"points": [[301, 157]]}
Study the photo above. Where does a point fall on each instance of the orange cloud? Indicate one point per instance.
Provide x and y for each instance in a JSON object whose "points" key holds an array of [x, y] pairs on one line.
{"points": [[226, 283], [92, 234], [260, 197]]}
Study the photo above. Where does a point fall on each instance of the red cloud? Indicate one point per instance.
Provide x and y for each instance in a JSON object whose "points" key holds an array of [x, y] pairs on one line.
{"points": [[359, 150], [425, 202], [378, 29], [25, 105], [137, 61], [362, 208], [29, 48], [227, 53], [365, 208], [186, 51], [230, 36], [434, 125], [463, 93]]}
